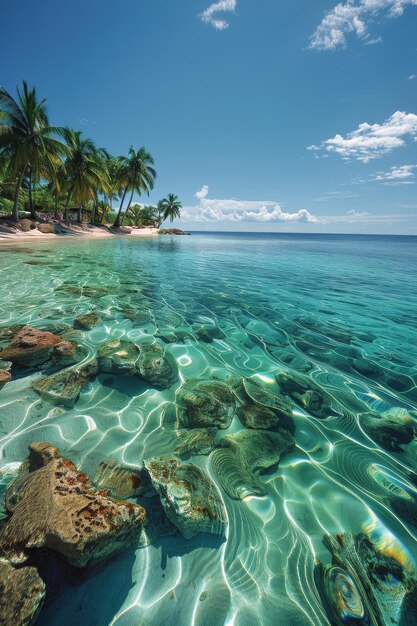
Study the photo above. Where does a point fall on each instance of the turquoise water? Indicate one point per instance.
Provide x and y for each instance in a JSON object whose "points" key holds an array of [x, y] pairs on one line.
{"points": [[339, 309]]}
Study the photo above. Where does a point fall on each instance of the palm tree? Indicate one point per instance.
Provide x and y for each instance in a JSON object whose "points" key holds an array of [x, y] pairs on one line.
{"points": [[171, 206], [28, 140], [138, 174], [85, 172]]}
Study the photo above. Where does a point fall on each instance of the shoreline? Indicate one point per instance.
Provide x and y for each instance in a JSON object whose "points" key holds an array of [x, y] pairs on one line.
{"points": [[10, 233]]}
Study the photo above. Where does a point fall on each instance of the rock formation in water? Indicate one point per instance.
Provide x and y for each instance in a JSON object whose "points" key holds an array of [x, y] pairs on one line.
{"points": [[121, 481], [366, 584], [31, 347], [196, 441], [148, 359], [389, 430], [64, 388], [87, 321], [53, 506], [307, 393], [205, 403], [264, 407], [22, 593], [240, 458], [188, 496]]}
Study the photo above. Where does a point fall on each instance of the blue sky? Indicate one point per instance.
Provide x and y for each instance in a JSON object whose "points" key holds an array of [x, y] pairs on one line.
{"points": [[287, 115]]}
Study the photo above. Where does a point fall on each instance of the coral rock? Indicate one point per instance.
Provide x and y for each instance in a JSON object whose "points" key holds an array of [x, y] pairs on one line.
{"points": [[32, 347], [65, 387], [205, 403], [55, 507], [22, 592], [88, 321]]}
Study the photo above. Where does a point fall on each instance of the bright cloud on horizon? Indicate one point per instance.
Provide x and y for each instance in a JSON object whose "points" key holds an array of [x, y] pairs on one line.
{"points": [[397, 175], [210, 15], [352, 17], [371, 141], [232, 210]]}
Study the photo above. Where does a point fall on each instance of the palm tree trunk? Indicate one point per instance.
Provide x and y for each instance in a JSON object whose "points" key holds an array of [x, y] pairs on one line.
{"points": [[93, 214], [128, 206], [31, 207], [79, 214], [15, 212], [66, 205], [117, 220]]}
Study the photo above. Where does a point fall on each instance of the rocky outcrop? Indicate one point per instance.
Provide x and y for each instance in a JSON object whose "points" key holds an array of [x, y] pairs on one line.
{"points": [[308, 394], [149, 360], [31, 347], [5, 374], [205, 403], [188, 496], [172, 231], [64, 388], [88, 321], [46, 228], [53, 506], [22, 592], [26, 225]]}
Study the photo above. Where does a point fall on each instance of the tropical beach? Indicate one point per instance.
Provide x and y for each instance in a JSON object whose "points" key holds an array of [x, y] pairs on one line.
{"points": [[215, 429]]}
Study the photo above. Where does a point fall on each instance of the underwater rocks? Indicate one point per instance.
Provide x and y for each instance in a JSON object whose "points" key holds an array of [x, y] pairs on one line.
{"points": [[22, 592], [207, 333], [88, 321], [242, 456], [266, 409], [389, 430], [8, 332], [87, 291], [189, 498], [148, 360], [366, 585], [54, 507], [120, 481], [196, 441], [205, 403], [303, 390], [31, 347], [5, 375], [65, 387]]}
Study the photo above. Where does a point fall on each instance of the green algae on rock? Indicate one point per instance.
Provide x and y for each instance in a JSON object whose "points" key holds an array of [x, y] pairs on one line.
{"points": [[188, 496], [266, 409], [308, 394], [22, 593], [196, 441], [65, 386], [53, 506], [87, 321], [203, 403], [389, 430]]}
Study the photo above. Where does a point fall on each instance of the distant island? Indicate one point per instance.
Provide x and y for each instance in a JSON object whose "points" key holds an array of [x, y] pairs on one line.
{"points": [[55, 181]]}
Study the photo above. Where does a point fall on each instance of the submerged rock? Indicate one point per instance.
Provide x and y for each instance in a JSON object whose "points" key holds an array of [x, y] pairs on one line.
{"points": [[207, 333], [148, 359], [242, 456], [308, 394], [122, 482], [31, 347], [366, 584], [267, 409], [196, 441], [205, 403], [5, 377], [54, 507], [22, 593], [65, 387], [87, 321], [188, 496], [8, 332], [389, 430]]}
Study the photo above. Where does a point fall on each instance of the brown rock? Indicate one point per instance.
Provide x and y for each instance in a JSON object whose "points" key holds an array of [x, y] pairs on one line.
{"points": [[22, 592], [55, 507], [31, 347], [26, 225], [46, 228], [4, 378]]}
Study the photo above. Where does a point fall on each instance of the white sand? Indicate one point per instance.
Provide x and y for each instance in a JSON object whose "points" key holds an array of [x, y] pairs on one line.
{"points": [[74, 230]]}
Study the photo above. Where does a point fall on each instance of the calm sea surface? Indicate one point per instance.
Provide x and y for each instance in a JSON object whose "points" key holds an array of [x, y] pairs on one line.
{"points": [[339, 311]]}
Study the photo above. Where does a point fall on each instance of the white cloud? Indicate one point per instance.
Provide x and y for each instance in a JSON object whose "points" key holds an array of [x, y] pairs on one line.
{"points": [[412, 77], [370, 141], [209, 16], [352, 16], [200, 195], [231, 210], [358, 213], [397, 175]]}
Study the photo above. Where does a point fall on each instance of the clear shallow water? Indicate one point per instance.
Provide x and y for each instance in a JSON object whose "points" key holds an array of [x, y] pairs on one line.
{"points": [[312, 304]]}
